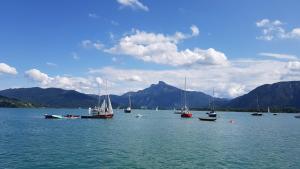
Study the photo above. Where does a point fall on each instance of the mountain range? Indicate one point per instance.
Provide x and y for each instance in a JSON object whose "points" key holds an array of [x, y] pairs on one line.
{"points": [[278, 96]]}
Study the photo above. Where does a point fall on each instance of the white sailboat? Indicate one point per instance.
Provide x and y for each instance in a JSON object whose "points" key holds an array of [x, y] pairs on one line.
{"points": [[128, 109], [257, 113], [105, 111], [185, 113], [212, 113]]}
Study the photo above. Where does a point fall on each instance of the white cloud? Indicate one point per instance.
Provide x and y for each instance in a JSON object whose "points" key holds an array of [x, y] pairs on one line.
{"points": [[238, 78], [195, 30], [279, 56], [5, 68], [163, 49], [36, 75], [134, 4], [87, 85], [90, 44], [274, 30]]}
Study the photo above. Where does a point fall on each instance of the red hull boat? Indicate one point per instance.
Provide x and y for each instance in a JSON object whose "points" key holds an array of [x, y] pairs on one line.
{"points": [[186, 115], [102, 116]]}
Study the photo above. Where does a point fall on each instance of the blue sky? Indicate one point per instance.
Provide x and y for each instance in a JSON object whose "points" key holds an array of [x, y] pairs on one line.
{"points": [[234, 46]]}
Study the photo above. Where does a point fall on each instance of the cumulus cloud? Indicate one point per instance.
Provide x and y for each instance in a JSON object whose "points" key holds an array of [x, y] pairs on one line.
{"points": [[36, 75], [6, 69], [163, 49], [134, 4], [81, 84], [279, 56], [274, 30]]}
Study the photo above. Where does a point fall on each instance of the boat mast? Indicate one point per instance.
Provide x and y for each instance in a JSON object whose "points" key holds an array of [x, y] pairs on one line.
{"points": [[98, 95], [185, 93], [129, 101], [257, 103], [213, 100]]}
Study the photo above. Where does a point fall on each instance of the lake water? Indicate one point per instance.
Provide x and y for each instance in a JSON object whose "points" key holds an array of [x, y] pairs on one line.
{"points": [[157, 140]]}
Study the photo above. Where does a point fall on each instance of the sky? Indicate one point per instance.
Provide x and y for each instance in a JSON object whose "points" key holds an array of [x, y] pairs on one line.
{"points": [[230, 46]]}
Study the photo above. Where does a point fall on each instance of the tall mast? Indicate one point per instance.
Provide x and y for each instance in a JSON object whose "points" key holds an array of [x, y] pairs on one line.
{"points": [[257, 103], [129, 101], [98, 95], [213, 99], [185, 92]]}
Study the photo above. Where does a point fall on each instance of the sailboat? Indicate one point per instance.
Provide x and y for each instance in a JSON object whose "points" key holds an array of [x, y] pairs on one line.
{"points": [[257, 113], [185, 113], [103, 112], [270, 111], [128, 109], [156, 109], [212, 113]]}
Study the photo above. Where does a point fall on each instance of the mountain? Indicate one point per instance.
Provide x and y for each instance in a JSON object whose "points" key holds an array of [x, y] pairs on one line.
{"points": [[162, 95], [51, 97], [165, 96], [13, 103], [278, 96]]}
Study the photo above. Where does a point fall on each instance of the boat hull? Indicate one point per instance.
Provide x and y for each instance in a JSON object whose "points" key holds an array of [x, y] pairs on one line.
{"points": [[207, 119], [256, 114], [186, 115], [297, 116], [102, 116], [127, 111], [49, 116], [212, 115]]}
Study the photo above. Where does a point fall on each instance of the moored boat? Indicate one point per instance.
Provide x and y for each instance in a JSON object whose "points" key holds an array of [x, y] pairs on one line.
{"points": [[103, 112], [208, 118], [185, 113], [298, 116], [128, 109], [257, 113], [212, 113], [53, 116]]}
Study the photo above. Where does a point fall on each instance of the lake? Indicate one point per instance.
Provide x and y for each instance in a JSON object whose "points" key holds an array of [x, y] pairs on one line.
{"points": [[157, 140]]}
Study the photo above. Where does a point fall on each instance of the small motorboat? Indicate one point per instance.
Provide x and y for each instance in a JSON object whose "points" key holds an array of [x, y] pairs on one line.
{"points": [[274, 114], [298, 116], [139, 116], [256, 114], [127, 110], [208, 118], [53, 116], [70, 116]]}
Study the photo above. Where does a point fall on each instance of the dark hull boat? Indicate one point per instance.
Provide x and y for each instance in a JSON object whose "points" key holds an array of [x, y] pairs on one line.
{"points": [[212, 114], [297, 116], [127, 110], [256, 114], [102, 116], [52, 116], [70, 116], [207, 118]]}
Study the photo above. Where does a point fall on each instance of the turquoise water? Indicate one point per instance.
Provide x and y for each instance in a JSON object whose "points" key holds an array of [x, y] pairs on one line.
{"points": [[157, 140]]}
